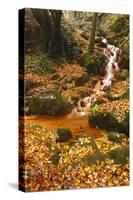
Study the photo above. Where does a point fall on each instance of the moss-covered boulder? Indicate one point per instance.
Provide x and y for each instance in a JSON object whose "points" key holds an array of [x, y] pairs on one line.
{"points": [[120, 156], [112, 116], [64, 134], [94, 63], [119, 90], [49, 103]]}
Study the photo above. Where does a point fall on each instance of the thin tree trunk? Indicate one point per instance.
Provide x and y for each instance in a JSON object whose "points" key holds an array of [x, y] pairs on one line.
{"points": [[56, 48], [92, 38]]}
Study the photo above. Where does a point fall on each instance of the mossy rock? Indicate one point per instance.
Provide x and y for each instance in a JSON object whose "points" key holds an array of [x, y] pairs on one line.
{"points": [[119, 90], [94, 63], [94, 158], [49, 103], [120, 156], [64, 134], [85, 35], [112, 116], [79, 81]]}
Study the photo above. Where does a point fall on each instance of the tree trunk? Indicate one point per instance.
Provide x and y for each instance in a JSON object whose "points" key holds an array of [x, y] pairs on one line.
{"points": [[56, 48], [43, 18], [92, 38]]}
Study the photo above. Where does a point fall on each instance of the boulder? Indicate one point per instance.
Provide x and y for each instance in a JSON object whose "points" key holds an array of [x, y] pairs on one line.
{"points": [[111, 116], [95, 63], [49, 103], [64, 134]]}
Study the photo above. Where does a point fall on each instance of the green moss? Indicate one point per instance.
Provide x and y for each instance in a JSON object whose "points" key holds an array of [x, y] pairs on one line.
{"points": [[94, 158], [39, 64], [85, 35], [55, 158], [94, 63], [124, 74], [112, 116], [112, 137], [120, 23], [64, 134], [50, 103], [120, 156], [106, 121]]}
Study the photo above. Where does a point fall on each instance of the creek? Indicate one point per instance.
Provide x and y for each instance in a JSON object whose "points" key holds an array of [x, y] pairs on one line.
{"points": [[77, 120]]}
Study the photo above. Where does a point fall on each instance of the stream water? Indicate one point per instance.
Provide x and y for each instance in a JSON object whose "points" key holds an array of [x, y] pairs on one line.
{"points": [[112, 54], [77, 120]]}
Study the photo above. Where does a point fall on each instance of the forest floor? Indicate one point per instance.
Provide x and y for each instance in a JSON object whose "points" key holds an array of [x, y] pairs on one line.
{"points": [[91, 158]]}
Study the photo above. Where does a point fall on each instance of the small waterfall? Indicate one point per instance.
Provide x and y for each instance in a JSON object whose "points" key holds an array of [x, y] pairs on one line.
{"points": [[111, 52]]}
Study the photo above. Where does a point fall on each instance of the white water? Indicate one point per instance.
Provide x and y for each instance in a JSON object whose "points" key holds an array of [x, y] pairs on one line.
{"points": [[111, 52]]}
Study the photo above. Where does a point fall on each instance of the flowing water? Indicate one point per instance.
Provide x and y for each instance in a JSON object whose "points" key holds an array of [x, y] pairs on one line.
{"points": [[77, 120], [112, 54]]}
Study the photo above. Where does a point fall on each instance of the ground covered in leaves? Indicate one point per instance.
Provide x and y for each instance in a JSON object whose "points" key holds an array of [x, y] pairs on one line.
{"points": [[82, 162]]}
